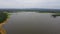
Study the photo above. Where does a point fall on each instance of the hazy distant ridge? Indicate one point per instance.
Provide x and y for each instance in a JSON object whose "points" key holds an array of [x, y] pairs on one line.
{"points": [[35, 10]]}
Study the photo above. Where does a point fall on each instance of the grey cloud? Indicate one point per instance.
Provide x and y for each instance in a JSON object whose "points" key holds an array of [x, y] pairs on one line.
{"points": [[29, 3]]}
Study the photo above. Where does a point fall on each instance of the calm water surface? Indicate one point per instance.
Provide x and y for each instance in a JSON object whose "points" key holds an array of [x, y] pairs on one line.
{"points": [[33, 23]]}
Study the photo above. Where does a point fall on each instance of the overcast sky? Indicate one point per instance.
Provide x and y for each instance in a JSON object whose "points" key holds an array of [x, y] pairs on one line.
{"points": [[30, 4]]}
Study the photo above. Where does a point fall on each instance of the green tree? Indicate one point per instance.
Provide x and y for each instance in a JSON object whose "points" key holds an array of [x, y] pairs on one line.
{"points": [[3, 16]]}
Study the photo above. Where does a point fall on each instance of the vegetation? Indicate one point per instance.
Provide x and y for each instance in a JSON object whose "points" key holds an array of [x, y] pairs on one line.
{"points": [[31, 10], [3, 17]]}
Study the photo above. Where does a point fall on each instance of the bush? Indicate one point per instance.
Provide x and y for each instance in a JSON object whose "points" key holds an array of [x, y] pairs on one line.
{"points": [[3, 17]]}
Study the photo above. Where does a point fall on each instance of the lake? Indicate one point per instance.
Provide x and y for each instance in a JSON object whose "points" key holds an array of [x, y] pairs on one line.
{"points": [[32, 23]]}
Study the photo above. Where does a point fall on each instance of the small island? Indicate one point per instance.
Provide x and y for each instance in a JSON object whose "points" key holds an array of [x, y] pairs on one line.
{"points": [[56, 14]]}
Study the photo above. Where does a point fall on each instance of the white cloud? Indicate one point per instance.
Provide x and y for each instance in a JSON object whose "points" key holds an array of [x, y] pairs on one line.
{"points": [[29, 3]]}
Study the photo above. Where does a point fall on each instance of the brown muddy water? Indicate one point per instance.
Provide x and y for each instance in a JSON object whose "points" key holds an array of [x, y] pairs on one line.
{"points": [[32, 23]]}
